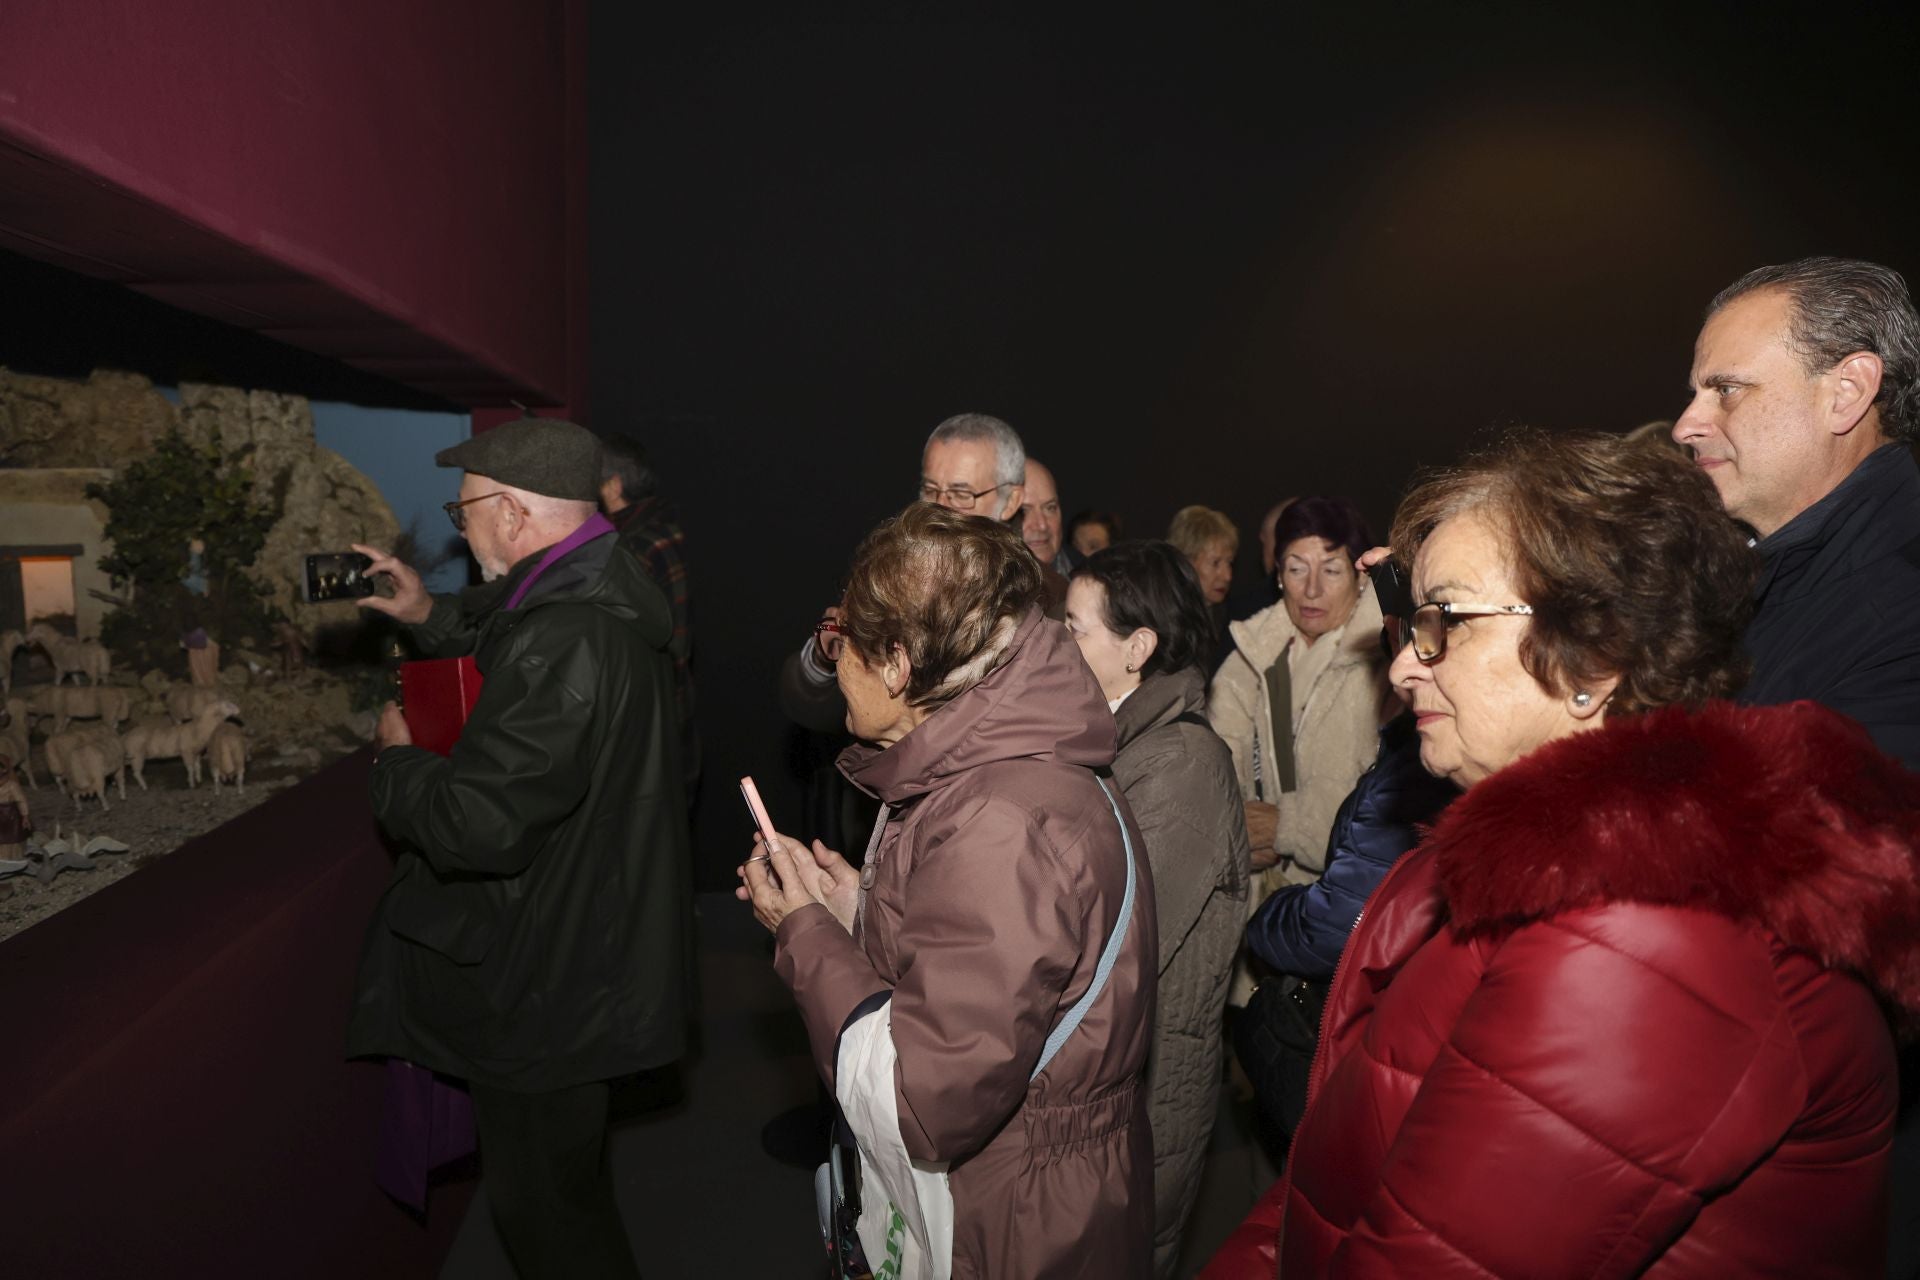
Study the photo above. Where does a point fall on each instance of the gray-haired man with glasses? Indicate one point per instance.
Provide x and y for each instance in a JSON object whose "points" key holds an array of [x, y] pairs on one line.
{"points": [[973, 463]]}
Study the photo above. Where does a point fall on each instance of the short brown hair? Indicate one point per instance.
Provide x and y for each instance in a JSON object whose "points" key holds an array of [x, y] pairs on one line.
{"points": [[1633, 568], [949, 589], [1194, 528]]}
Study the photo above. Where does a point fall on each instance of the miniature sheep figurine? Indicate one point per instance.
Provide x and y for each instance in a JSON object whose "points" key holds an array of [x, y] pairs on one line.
{"points": [[162, 739], [227, 756], [61, 748], [57, 749], [69, 702], [184, 702], [71, 656], [87, 773]]}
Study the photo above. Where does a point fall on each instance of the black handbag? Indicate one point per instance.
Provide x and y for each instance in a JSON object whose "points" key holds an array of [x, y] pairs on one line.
{"points": [[1275, 1037]]}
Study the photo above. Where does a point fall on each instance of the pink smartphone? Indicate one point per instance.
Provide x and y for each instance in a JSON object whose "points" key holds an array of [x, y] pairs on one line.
{"points": [[757, 808]]}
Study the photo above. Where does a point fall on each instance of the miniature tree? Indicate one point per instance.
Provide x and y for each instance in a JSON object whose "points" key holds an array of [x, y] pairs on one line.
{"points": [[157, 506]]}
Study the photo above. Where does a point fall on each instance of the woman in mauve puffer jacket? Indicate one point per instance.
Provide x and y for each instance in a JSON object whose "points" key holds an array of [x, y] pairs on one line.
{"points": [[1004, 889], [1624, 1011]]}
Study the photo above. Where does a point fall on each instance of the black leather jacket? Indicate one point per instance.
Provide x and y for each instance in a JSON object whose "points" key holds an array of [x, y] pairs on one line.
{"points": [[535, 933]]}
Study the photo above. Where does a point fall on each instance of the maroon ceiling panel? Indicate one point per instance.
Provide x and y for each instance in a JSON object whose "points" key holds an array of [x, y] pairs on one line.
{"points": [[353, 178], [89, 227]]}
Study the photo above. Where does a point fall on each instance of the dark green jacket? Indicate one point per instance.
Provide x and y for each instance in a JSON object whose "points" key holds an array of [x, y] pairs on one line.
{"points": [[535, 933]]}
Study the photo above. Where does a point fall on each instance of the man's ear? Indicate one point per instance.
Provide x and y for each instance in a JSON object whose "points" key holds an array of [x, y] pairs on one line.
{"points": [[513, 518], [1016, 498], [1855, 383]]}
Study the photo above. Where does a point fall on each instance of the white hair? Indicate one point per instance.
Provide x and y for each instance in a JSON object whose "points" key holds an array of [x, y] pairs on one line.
{"points": [[1009, 455]]}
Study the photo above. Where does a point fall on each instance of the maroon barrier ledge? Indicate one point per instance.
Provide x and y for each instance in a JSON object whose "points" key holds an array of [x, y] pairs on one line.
{"points": [[173, 1099]]}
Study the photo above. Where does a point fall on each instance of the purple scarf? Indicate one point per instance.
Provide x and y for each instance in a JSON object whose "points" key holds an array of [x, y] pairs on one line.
{"points": [[596, 524]]}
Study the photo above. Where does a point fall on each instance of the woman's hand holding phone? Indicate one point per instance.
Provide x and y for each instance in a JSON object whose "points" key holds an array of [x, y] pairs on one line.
{"points": [[771, 881], [782, 875], [786, 875]]}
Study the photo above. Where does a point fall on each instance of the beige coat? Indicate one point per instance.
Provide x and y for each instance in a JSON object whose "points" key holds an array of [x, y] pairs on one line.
{"points": [[1178, 779], [992, 888], [1339, 690]]}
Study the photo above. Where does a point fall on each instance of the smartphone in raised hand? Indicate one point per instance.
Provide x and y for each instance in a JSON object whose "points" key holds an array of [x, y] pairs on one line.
{"points": [[1392, 589], [336, 575], [1394, 592], [758, 808]]}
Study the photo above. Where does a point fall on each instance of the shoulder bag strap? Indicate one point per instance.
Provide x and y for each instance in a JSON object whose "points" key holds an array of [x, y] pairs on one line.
{"points": [[1108, 957]]}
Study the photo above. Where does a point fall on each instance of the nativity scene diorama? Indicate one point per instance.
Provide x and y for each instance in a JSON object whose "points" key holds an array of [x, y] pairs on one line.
{"points": [[159, 619]]}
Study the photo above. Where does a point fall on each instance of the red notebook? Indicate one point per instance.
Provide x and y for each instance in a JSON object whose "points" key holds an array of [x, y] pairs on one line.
{"points": [[438, 696]]}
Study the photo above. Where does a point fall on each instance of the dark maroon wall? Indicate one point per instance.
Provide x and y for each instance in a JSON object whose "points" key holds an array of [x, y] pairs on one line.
{"points": [[396, 177]]}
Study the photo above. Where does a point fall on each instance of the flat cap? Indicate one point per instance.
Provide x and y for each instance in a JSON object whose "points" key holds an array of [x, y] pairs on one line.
{"points": [[540, 455]]}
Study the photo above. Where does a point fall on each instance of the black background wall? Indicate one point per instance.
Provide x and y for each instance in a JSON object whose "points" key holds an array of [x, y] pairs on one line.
{"points": [[1213, 257]]}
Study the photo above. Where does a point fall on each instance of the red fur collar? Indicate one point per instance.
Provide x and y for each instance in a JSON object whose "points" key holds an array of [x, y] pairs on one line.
{"points": [[1784, 816]]}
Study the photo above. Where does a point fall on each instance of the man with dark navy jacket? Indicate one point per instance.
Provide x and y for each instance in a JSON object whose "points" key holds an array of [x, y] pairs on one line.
{"points": [[1806, 405], [1805, 411]]}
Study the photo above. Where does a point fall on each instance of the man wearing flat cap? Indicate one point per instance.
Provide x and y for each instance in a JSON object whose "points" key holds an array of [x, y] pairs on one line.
{"points": [[533, 940]]}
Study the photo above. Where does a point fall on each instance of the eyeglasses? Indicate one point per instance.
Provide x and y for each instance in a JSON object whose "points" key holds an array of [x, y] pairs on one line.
{"points": [[1431, 623], [957, 496], [456, 510], [828, 636]]}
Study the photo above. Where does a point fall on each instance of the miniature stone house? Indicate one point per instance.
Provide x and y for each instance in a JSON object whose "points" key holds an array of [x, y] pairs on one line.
{"points": [[51, 539], [57, 434]]}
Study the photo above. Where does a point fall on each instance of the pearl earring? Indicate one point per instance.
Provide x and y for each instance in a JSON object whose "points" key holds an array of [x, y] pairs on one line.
{"points": [[1583, 699]]}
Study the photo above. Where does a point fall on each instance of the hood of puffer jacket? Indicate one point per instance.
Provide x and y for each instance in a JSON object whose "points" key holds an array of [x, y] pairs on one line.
{"points": [[1787, 817], [1042, 703], [1261, 637]]}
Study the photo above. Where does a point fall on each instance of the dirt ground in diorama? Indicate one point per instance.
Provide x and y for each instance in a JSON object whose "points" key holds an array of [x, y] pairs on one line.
{"points": [[294, 724]]}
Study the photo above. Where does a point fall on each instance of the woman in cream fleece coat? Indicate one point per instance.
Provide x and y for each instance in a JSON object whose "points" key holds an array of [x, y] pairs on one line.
{"points": [[1318, 653]]}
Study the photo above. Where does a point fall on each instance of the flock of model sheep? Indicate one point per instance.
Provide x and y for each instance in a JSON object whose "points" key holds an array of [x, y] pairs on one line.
{"points": [[85, 758]]}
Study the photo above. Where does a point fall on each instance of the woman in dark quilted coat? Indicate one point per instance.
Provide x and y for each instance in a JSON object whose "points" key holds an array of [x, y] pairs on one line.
{"points": [[1141, 622], [1624, 1011]]}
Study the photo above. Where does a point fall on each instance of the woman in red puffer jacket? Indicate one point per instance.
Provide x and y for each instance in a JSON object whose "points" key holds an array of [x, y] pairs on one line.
{"points": [[1624, 1011]]}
